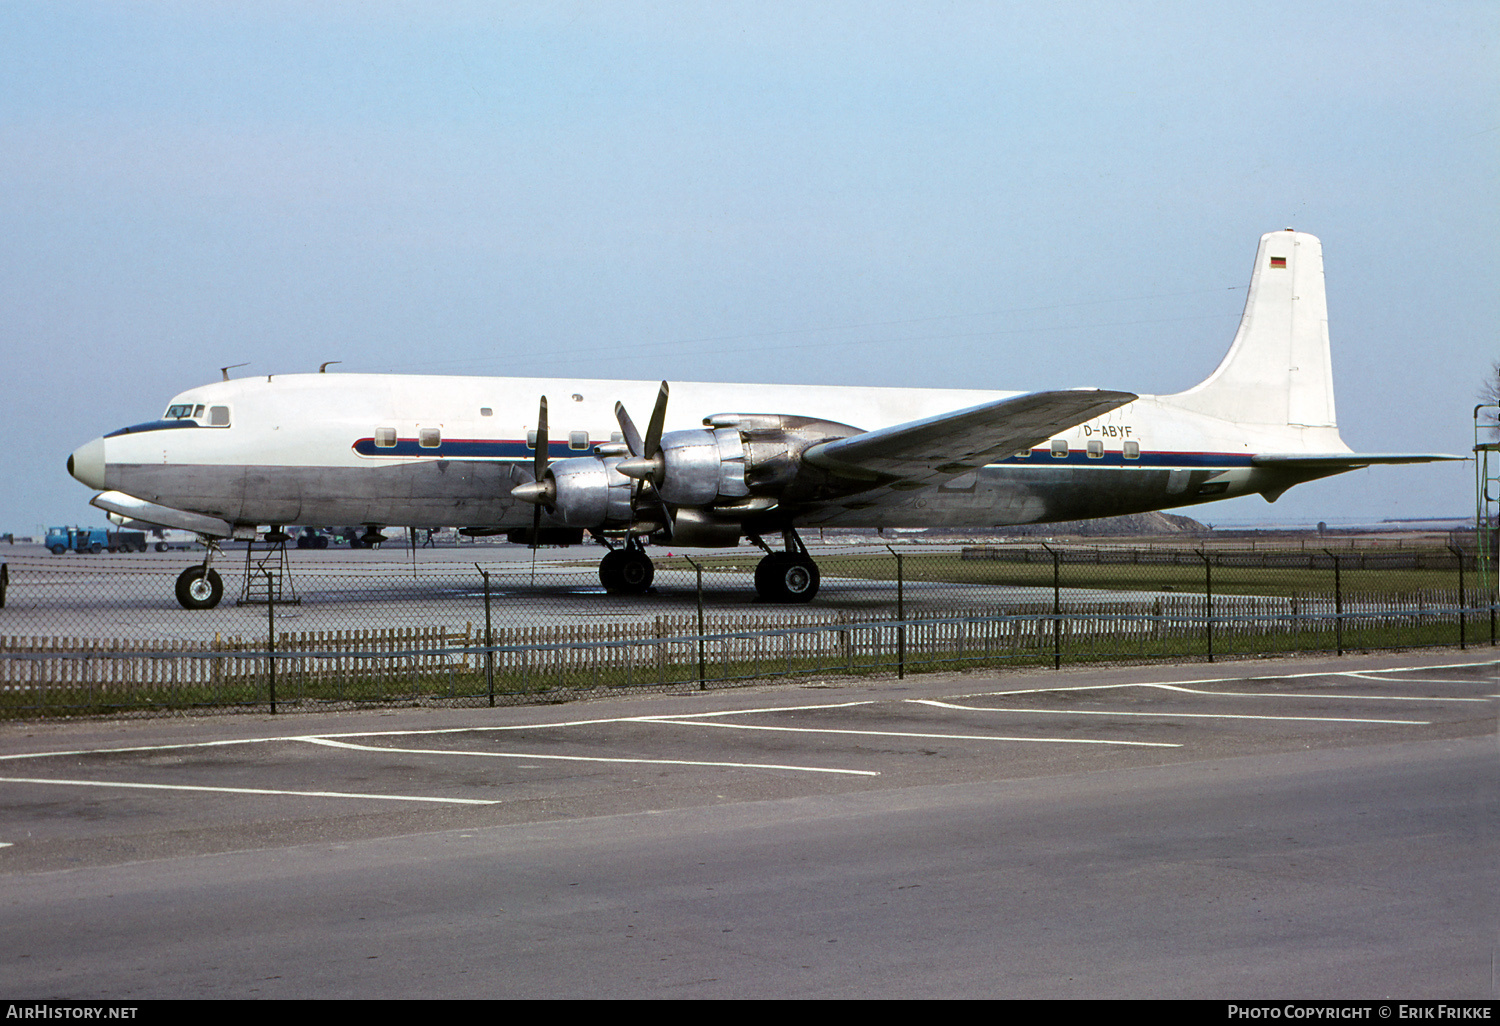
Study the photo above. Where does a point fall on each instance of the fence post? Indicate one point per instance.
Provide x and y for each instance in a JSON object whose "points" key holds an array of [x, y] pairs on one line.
{"points": [[1462, 603], [702, 671], [1208, 618], [900, 615], [1338, 601], [271, 637], [489, 638], [1056, 607]]}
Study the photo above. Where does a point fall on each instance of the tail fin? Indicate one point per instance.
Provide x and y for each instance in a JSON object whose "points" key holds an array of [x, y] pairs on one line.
{"points": [[1278, 370]]}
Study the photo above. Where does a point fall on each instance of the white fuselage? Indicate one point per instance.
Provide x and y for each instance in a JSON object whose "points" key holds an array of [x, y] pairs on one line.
{"points": [[307, 449], [426, 451]]}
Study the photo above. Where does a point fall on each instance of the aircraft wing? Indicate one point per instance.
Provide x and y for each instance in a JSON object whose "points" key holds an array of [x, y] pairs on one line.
{"points": [[924, 451], [1336, 461]]}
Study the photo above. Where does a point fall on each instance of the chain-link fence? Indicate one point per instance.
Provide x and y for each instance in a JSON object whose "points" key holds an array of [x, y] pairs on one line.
{"points": [[81, 634]]}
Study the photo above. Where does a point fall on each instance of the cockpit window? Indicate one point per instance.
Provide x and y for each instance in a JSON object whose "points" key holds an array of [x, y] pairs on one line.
{"points": [[180, 411]]}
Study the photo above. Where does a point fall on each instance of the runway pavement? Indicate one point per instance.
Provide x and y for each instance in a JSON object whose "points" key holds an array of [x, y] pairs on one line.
{"points": [[1315, 828]]}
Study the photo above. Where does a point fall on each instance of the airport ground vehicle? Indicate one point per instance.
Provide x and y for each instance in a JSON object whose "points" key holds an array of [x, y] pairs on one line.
{"points": [[93, 539]]}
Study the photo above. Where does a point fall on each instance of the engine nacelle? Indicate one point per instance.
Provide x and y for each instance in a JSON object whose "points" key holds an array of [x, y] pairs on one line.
{"points": [[700, 466], [700, 529], [738, 455], [589, 492]]}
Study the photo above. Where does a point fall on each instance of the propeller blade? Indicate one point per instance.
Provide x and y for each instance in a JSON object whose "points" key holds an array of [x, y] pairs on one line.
{"points": [[628, 429], [539, 460], [653, 430], [539, 469]]}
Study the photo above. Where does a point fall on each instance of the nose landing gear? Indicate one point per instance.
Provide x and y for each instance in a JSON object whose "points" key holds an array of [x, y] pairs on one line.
{"points": [[199, 587]]}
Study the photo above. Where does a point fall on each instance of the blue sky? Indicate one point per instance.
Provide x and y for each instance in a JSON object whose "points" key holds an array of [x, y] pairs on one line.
{"points": [[977, 195]]}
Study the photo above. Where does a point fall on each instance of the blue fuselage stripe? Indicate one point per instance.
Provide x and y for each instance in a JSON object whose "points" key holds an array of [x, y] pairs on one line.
{"points": [[481, 449]]}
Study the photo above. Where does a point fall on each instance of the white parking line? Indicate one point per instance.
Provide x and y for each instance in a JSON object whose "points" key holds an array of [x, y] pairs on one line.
{"points": [[1224, 694], [1179, 685], [1403, 680], [1162, 715], [586, 758], [248, 790], [907, 733]]}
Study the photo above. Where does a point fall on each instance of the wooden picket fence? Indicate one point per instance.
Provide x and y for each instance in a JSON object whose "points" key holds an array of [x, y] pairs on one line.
{"points": [[372, 663]]}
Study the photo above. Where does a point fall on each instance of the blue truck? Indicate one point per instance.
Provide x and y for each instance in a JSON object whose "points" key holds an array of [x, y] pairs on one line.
{"points": [[93, 539]]}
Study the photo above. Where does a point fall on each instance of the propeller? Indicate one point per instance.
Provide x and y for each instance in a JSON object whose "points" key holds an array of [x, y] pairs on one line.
{"points": [[538, 491], [646, 465], [646, 461]]}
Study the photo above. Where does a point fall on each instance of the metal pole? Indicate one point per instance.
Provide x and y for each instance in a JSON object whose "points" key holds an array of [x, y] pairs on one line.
{"points": [[702, 670], [900, 615], [1208, 622], [1459, 555], [489, 638], [1057, 610], [271, 630], [1338, 601]]}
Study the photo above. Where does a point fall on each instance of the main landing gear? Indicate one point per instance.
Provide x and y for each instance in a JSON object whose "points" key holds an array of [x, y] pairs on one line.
{"points": [[627, 571], [789, 576]]}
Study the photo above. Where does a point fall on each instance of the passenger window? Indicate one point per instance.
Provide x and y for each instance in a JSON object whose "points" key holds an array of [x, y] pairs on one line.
{"points": [[1096, 450], [578, 440], [385, 438], [1132, 450], [1060, 448], [218, 416], [485, 411], [531, 439], [430, 438]]}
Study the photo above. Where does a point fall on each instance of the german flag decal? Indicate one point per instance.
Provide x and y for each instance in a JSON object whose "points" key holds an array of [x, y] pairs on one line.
{"points": [[1278, 261]]}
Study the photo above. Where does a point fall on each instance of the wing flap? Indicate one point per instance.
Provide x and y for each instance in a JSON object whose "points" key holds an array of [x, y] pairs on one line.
{"points": [[954, 443]]}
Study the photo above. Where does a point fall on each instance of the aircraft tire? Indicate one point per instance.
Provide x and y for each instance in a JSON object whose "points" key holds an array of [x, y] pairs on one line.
{"points": [[785, 577], [198, 588], [623, 572]]}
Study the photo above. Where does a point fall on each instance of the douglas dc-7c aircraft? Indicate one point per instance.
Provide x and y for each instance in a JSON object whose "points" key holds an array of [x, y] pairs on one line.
{"points": [[721, 462]]}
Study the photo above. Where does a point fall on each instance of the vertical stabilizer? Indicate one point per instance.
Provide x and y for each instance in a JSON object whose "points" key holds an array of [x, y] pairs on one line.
{"points": [[1278, 370]]}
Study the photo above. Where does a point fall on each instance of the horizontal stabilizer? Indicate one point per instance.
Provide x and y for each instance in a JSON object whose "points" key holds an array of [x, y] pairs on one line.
{"points": [[955, 443], [1344, 460]]}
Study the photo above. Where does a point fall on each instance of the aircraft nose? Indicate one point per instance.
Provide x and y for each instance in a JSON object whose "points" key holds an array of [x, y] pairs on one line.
{"points": [[87, 463]]}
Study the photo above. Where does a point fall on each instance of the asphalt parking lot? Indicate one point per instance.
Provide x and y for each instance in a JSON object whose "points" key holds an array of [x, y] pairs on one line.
{"points": [[147, 807]]}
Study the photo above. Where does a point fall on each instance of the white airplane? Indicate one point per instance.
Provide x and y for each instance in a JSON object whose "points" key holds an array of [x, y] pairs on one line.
{"points": [[724, 461]]}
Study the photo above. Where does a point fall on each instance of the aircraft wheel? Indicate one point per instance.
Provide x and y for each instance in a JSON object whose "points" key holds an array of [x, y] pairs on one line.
{"points": [[784, 577], [623, 572], [198, 588]]}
